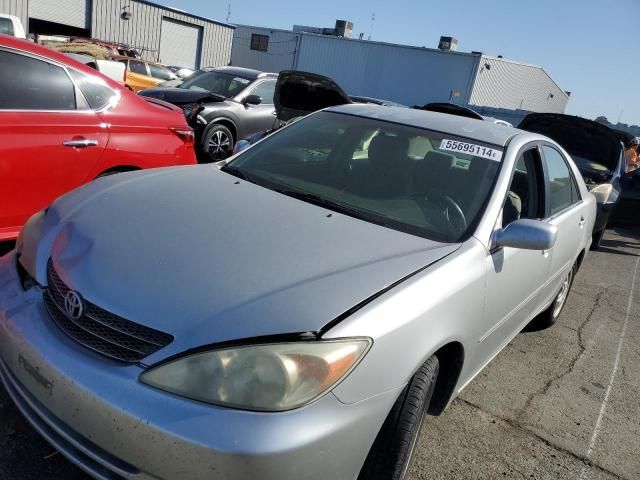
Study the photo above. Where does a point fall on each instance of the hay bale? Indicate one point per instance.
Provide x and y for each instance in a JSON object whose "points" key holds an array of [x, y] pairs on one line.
{"points": [[96, 51]]}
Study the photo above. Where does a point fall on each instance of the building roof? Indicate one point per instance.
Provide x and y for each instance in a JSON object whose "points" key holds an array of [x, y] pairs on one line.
{"points": [[177, 10], [530, 65], [482, 131], [256, 27]]}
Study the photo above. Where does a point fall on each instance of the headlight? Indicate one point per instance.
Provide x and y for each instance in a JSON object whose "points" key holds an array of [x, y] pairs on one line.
{"points": [[190, 111], [270, 377], [604, 193]]}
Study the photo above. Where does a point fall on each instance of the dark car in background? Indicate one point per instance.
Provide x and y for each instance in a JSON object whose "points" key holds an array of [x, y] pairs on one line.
{"points": [[375, 101], [627, 211], [451, 109], [224, 105], [460, 111], [597, 152]]}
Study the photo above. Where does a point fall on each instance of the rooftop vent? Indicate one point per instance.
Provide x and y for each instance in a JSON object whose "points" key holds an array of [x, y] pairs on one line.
{"points": [[448, 44], [344, 28]]}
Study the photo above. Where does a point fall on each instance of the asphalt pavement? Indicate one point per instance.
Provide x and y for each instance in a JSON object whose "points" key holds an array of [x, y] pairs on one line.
{"points": [[562, 403]]}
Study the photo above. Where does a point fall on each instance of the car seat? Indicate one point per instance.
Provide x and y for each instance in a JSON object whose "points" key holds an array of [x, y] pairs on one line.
{"points": [[512, 208], [389, 169]]}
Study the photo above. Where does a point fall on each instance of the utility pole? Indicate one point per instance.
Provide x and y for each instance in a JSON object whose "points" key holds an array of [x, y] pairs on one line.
{"points": [[228, 12], [373, 19]]}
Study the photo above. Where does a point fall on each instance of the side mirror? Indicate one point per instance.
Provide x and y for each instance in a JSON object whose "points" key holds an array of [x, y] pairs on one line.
{"points": [[527, 235], [252, 100]]}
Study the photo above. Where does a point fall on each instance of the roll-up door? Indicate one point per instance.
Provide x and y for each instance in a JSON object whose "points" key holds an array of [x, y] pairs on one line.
{"points": [[180, 44], [74, 13]]}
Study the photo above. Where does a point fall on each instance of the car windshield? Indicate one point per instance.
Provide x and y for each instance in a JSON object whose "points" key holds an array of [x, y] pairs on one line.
{"points": [[417, 181], [217, 82]]}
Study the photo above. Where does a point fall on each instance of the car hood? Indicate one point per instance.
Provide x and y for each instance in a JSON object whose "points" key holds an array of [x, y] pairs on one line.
{"points": [[301, 93], [180, 96], [590, 144], [209, 258]]}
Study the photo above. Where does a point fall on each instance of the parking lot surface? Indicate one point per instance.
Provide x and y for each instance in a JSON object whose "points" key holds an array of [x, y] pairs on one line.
{"points": [[555, 404]]}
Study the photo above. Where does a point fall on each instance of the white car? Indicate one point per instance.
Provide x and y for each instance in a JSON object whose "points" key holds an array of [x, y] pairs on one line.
{"points": [[114, 70], [11, 25]]}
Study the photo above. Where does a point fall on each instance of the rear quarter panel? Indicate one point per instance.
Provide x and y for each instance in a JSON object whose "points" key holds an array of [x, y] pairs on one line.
{"points": [[140, 137]]}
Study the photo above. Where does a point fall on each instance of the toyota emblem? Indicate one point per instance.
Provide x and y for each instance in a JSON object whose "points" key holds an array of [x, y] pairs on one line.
{"points": [[73, 305]]}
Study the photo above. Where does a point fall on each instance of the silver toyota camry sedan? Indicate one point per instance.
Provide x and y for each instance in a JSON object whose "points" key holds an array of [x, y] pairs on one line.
{"points": [[293, 312]]}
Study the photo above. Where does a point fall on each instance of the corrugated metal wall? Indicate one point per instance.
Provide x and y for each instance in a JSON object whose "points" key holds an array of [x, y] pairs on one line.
{"points": [[280, 54], [143, 29], [67, 12], [408, 75], [512, 85], [19, 8]]}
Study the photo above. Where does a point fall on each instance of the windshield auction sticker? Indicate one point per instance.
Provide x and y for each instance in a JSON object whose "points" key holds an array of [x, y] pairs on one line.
{"points": [[471, 149]]}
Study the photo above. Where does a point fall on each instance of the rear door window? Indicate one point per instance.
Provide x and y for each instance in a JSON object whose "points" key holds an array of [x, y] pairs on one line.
{"points": [[138, 67], [95, 91], [265, 90], [560, 181], [34, 84]]}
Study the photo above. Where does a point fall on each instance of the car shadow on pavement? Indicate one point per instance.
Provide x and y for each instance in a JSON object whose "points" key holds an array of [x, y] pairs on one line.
{"points": [[616, 246]]}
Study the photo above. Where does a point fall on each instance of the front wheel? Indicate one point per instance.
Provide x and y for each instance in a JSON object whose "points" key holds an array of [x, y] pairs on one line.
{"points": [[391, 453], [217, 143]]}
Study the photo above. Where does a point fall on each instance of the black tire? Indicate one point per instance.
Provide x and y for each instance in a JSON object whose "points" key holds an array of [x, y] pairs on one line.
{"points": [[596, 239], [391, 453], [217, 143], [550, 316]]}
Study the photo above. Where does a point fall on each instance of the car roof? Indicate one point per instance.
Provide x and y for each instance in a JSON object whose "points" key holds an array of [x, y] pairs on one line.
{"points": [[474, 129], [241, 72]]}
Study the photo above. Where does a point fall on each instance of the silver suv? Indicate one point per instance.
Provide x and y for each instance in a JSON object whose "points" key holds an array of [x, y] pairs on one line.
{"points": [[223, 105]]}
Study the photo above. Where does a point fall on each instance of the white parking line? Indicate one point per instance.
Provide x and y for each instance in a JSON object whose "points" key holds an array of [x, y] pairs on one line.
{"points": [[616, 363]]}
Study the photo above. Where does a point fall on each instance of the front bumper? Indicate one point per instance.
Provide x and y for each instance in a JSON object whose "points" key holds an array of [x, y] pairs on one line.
{"points": [[97, 413], [603, 213]]}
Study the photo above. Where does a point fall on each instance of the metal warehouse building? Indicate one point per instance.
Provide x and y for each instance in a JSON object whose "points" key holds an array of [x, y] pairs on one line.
{"points": [[401, 73], [161, 33]]}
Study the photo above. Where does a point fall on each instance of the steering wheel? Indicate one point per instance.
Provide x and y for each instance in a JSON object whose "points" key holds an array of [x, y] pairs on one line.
{"points": [[449, 209]]}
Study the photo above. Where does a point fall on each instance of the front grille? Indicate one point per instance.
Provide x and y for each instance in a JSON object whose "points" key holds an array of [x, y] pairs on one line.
{"points": [[100, 330]]}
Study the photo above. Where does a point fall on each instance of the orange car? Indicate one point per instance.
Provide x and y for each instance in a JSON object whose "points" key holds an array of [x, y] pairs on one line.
{"points": [[143, 74]]}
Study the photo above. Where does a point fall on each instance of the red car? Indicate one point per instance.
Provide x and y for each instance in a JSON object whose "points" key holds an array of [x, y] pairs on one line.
{"points": [[63, 124]]}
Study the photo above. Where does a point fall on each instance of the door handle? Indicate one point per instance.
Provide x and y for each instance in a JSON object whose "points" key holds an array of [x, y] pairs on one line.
{"points": [[80, 143], [582, 222]]}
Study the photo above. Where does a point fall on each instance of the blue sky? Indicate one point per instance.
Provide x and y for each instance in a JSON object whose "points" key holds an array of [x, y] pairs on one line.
{"points": [[590, 47]]}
